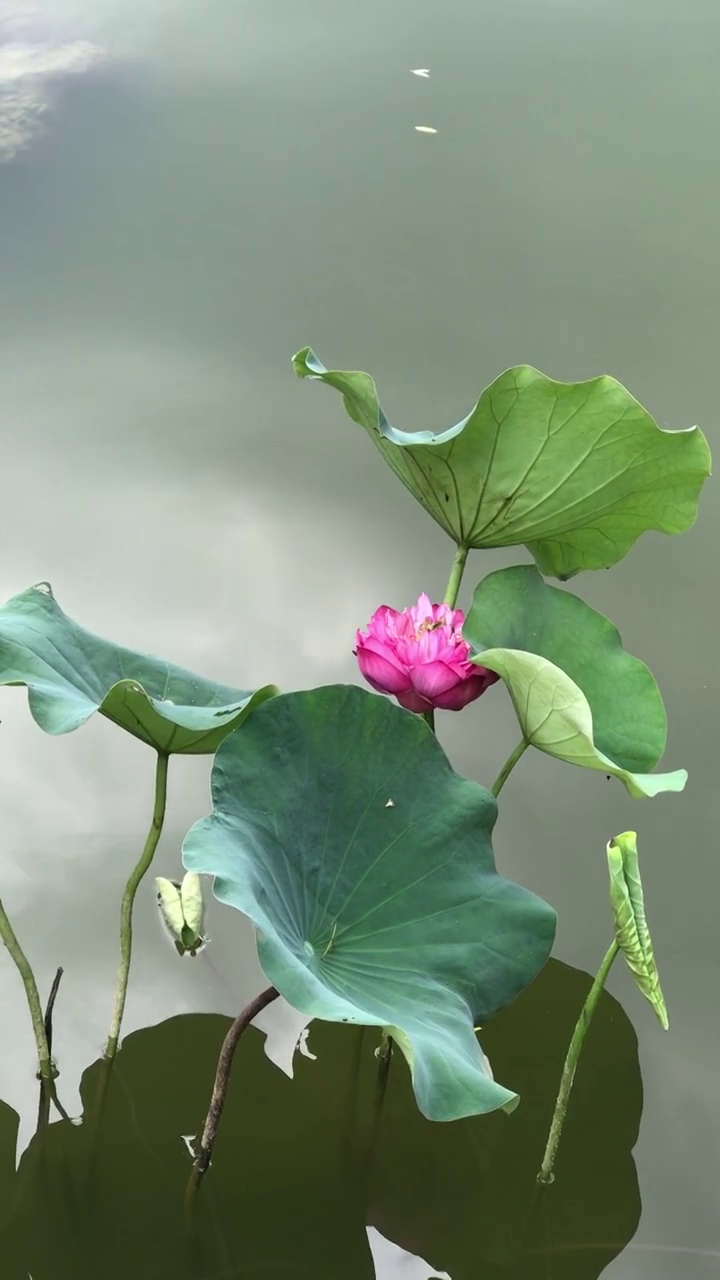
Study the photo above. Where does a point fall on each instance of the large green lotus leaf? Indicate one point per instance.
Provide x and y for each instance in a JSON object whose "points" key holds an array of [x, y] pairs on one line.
{"points": [[365, 862], [574, 470], [578, 695], [71, 673]]}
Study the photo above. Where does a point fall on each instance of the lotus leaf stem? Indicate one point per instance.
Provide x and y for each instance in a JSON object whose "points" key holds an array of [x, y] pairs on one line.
{"points": [[451, 595], [508, 767], [456, 573], [126, 909], [7, 933], [546, 1175]]}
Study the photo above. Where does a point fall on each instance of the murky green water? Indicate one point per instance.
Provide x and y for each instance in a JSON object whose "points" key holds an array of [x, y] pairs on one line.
{"points": [[188, 194]]}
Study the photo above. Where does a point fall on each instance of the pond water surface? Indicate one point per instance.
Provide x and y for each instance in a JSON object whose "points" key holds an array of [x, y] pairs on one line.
{"points": [[190, 192]]}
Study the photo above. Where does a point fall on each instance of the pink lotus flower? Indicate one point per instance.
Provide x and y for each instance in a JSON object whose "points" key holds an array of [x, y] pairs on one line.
{"points": [[420, 657]]}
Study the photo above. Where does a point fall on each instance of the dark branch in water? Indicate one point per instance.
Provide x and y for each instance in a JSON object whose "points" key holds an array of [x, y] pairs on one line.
{"points": [[220, 1087], [49, 1009], [48, 1091], [384, 1058]]}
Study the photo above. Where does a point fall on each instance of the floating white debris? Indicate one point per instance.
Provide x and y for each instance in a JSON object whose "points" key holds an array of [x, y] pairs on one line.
{"points": [[421, 71], [424, 128], [390, 804], [302, 1045]]}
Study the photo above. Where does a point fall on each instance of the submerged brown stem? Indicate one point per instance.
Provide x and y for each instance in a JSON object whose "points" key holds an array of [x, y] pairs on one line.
{"points": [[222, 1079], [384, 1058]]}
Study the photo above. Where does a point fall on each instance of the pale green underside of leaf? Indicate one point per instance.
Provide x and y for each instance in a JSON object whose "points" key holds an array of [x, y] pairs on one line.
{"points": [[71, 673], [631, 927], [370, 912], [576, 471], [555, 717], [579, 696]]}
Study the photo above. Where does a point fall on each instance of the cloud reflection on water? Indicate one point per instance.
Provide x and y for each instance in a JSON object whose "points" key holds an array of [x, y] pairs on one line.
{"points": [[32, 60]]}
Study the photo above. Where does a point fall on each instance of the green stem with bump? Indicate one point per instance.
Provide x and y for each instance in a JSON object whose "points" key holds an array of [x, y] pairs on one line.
{"points": [[20, 960], [546, 1175], [126, 909]]}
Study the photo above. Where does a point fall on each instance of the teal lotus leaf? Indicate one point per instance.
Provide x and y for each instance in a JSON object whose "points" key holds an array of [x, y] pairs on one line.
{"points": [[575, 471], [365, 863], [578, 695], [71, 673]]}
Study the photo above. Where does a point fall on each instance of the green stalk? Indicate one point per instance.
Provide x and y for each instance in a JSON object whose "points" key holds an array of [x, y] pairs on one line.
{"points": [[7, 933], [456, 573], [131, 888], [546, 1174], [508, 767], [451, 594]]}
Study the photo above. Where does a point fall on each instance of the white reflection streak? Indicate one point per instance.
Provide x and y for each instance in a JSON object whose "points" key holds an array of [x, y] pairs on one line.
{"points": [[423, 128]]}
